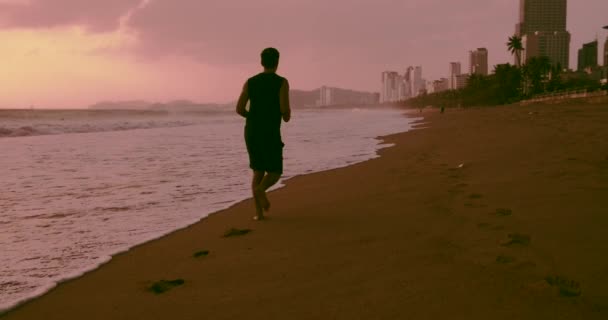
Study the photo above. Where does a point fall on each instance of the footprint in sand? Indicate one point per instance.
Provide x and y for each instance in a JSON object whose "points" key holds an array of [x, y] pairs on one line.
{"points": [[200, 254], [566, 287], [234, 232], [517, 239], [163, 286]]}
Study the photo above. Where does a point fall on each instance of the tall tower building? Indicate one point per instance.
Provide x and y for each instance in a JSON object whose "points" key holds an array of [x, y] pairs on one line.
{"points": [[542, 27], [478, 62], [409, 80], [541, 15], [455, 68], [606, 53], [587, 56], [389, 90], [417, 82], [455, 71]]}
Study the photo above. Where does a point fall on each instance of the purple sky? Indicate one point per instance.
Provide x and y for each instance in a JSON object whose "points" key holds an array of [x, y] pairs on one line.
{"points": [[205, 49]]}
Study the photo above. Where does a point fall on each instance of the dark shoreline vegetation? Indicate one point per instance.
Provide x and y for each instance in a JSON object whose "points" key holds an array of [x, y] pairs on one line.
{"points": [[510, 84]]}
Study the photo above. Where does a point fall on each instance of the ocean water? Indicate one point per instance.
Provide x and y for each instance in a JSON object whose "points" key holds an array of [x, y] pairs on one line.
{"points": [[81, 186]]}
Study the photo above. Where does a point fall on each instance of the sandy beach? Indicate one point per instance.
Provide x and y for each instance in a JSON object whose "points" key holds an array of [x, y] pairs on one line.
{"points": [[483, 213]]}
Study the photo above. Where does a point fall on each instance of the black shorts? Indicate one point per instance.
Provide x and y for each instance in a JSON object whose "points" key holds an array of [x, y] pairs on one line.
{"points": [[265, 153]]}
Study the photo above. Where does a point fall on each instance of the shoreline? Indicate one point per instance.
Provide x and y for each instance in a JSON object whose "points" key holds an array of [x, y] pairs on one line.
{"points": [[409, 234], [280, 185]]}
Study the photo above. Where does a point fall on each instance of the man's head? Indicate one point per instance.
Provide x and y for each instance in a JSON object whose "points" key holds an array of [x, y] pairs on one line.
{"points": [[270, 58]]}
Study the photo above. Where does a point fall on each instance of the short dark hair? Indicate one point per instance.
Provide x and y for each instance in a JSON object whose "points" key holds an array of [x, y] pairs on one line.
{"points": [[270, 58]]}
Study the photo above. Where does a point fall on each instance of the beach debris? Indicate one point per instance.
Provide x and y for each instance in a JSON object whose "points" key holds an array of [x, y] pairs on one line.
{"points": [[233, 232], [460, 166], [566, 287], [503, 212], [202, 253], [163, 286], [519, 239]]}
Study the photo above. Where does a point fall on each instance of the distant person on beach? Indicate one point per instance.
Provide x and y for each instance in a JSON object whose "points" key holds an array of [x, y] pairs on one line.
{"points": [[268, 94]]}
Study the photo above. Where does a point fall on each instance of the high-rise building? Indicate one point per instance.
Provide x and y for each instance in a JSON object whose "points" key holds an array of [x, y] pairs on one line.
{"points": [[409, 81], [541, 15], [417, 84], [337, 96], [402, 89], [325, 96], [606, 53], [461, 81], [455, 70], [478, 61], [587, 56], [429, 87], [542, 27], [392, 87]]}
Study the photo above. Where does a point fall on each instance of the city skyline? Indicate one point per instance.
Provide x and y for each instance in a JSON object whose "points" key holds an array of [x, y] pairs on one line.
{"points": [[67, 54]]}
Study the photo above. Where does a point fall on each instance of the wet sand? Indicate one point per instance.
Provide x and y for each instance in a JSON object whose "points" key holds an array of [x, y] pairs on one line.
{"points": [[494, 213]]}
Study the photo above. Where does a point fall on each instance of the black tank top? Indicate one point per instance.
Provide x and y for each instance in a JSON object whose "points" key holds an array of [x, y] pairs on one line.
{"points": [[264, 117]]}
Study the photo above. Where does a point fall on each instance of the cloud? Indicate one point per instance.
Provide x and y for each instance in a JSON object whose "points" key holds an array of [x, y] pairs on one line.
{"points": [[333, 41], [229, 31], [325, 32], [96, 16]]}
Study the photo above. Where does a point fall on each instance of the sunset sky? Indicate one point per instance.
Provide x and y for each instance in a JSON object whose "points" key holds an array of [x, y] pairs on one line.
{"points": [[72, 53]]}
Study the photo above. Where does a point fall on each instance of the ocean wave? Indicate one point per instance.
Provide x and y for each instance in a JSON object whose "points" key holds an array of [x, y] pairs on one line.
{"points": [[69, 128], [18, 132]]}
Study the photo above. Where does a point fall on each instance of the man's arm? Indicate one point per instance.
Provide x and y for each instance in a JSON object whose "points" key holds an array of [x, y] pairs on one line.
{"points": [[242, 103], [284, 96]]}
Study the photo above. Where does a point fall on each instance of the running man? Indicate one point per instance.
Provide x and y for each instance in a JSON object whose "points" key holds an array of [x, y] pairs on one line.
{"points": [[268, 94]]}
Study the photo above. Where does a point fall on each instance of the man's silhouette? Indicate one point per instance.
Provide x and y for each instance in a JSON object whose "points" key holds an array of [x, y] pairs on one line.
{"points": [[269, 97]]}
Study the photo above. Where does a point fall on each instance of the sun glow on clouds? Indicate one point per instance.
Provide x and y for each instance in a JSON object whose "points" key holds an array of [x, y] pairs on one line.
{"points": [[68, 67], [58, 64]]}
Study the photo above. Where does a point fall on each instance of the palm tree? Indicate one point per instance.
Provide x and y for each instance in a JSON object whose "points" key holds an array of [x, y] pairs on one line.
{"points": [[536, 74], [508, 81], [515, 47]]}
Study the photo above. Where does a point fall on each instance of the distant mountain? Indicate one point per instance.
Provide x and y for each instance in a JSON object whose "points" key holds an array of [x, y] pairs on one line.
{"points": [[122, 105], [175, 105], [298, 99]]}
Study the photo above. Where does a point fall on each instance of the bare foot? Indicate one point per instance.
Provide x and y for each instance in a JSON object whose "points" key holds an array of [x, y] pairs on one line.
{"points": [[262, 199]]}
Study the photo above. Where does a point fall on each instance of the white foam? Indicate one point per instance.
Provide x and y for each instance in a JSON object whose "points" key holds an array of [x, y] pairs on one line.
{"points": [[161, 175]]}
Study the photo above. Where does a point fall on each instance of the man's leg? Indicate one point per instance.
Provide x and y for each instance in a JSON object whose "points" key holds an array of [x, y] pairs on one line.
{"points": [[258, 176], [269, 180]]}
